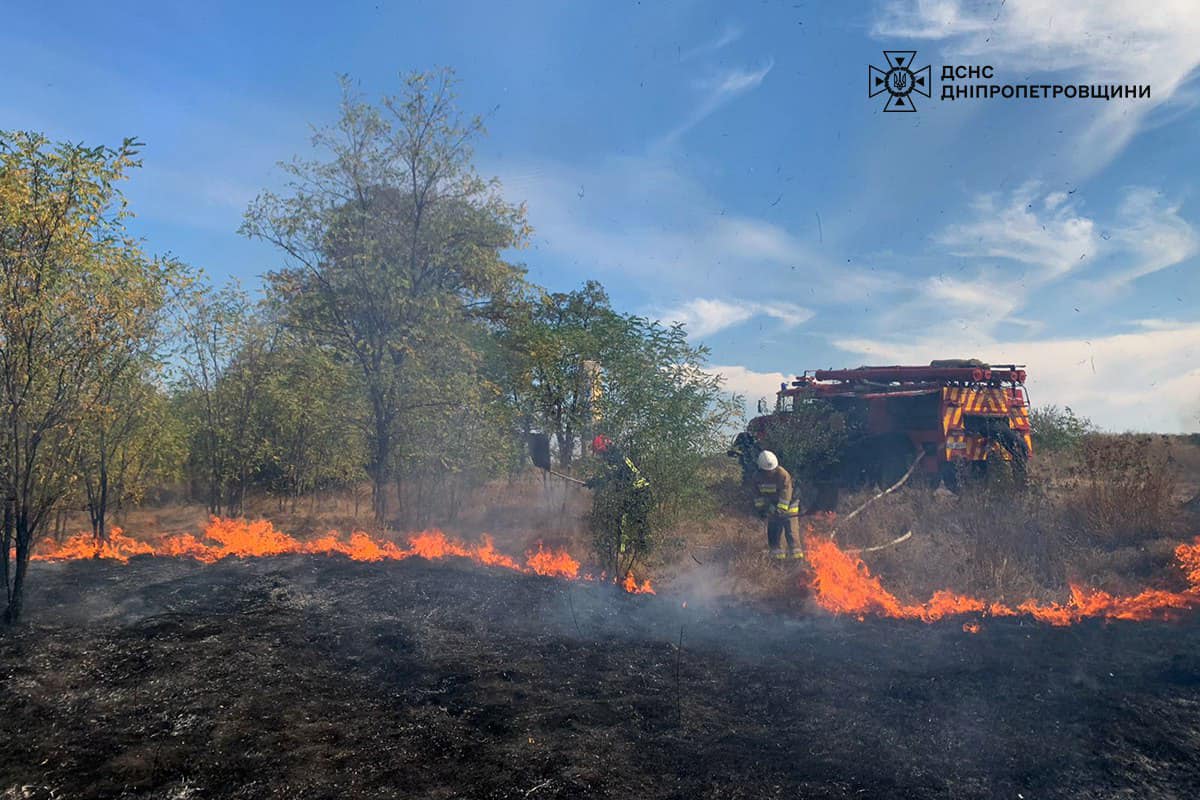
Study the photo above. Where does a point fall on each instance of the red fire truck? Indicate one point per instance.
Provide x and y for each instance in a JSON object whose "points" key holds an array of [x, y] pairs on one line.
{"points": [[954, 414]]}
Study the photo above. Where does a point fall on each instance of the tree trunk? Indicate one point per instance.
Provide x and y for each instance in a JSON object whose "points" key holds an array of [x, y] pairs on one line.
{"points": [[6, 545], [381, 458], [24, 540], [60, 525], [399, 482], [568, 447], [98, 505], [241, 500]]}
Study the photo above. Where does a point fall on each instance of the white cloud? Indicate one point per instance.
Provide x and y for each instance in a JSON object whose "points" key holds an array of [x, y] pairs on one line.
{"points": [[1145, 380], [1087, 41], [704, 316], [1015, 247], [750, 384]]}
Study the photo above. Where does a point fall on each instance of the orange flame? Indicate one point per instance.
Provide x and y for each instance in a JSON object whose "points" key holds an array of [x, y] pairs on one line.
{"points": [[631, 585], [241, 538], [555, 564], [843, 584]]}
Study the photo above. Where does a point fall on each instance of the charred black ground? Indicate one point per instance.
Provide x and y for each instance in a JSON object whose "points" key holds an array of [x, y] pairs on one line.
{"points": [[309, 677]]}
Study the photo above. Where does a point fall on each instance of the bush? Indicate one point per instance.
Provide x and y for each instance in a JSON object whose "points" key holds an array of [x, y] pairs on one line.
{"points": [[810, 440], [1056, 429]]}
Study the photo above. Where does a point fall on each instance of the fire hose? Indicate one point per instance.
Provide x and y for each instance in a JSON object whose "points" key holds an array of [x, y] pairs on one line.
{"points": [[539, 453], [887, 491], [567, 477]]}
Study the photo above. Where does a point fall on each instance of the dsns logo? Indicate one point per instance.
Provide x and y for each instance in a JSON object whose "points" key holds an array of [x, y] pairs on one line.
{"points": [[899, 81]]}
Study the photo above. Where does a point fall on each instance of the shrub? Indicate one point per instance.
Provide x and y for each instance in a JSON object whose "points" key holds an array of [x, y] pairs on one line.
{"points": [[810, 440], [1058, 429]]}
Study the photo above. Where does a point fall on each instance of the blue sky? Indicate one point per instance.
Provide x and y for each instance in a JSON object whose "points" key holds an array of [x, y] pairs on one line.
{"points": [[720, 164]]}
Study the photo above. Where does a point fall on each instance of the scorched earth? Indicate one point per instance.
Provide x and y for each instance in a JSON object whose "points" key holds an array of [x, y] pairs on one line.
{"points": [[309, 676]]}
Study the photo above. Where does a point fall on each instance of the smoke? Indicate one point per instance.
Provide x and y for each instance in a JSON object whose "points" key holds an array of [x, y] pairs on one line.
{"points": [[703, 586]]}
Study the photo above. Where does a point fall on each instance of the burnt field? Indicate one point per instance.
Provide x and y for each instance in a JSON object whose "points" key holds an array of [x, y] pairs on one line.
{"points": [[310, 676]]}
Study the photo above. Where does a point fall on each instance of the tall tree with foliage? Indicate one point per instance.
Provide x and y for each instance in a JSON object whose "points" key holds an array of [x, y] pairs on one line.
{"points": [[389, 237], [551, 340], [670, 413], [122, 441], [221, 371], [310, 421], [648, 391], [78, 300]]}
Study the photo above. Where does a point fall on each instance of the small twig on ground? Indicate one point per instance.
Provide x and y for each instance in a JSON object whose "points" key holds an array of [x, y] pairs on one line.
{"points": [[571, 601], [541, 785], [698, 561], [678, 693]]}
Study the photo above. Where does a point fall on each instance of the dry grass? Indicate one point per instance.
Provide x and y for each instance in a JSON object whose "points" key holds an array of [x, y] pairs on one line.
{"points": [[1128, 488], [1106, 517]]}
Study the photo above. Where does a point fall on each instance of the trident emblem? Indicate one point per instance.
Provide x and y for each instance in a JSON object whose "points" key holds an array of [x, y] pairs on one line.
{"points": [[899, 81]]}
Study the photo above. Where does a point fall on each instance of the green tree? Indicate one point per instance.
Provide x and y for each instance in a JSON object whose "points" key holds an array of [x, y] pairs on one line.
{"points": [[670, 413], [78, 299], [1058, 429], [122, 441], [577, 365], [550, 342], [310, 421], [221, 370], [388, 239], [813, 440]]}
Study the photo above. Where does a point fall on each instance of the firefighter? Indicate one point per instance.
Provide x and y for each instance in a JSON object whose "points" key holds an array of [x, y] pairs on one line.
{"points": [[745, 449], [622, 502], [779, 504]]}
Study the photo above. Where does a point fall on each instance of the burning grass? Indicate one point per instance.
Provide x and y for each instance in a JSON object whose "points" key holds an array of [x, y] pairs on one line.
{"points": [[844, 584], [242, 538], [981, 553]]}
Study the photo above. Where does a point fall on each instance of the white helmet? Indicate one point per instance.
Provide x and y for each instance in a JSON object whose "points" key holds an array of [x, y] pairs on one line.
{"points": [[767, 460]]}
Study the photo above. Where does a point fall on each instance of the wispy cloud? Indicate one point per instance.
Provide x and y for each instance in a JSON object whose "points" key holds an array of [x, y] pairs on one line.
{"points": [[706, 316], [1014, 248], [1088, 41], [728, 35], [649, 223], [715, 91], [1019, 257], [1154, 235], [1052, 235]]}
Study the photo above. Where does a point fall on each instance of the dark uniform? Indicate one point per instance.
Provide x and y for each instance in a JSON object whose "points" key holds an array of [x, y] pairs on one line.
{"points": [[745, 449], [621, 506], [776, 500]]}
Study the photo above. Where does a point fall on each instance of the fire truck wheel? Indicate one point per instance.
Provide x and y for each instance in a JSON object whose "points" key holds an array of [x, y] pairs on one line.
{"points": [[1015, 446], [949, 475]]}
